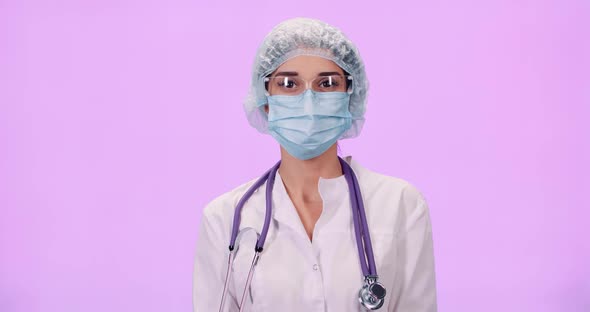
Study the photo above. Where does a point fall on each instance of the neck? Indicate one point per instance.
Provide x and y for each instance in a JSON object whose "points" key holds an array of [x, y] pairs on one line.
{"points": [[301, 177]]}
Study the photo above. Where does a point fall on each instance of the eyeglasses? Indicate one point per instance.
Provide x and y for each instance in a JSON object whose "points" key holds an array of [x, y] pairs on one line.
{"points": [[294, 85]]}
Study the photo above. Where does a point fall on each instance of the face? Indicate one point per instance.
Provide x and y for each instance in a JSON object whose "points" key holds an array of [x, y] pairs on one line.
{"points": [[306, 67]]}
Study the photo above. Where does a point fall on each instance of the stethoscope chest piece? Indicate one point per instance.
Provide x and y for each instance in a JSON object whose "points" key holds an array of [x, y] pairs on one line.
{"points": [[372, 295]]}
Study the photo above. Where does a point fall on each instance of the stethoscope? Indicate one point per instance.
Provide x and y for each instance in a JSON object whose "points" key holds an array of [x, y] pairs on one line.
{"points": [[372, 293]]}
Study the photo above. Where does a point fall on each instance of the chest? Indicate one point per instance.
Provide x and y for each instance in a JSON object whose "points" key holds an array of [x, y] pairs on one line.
{"points": [[320, 275], [308, 213]]}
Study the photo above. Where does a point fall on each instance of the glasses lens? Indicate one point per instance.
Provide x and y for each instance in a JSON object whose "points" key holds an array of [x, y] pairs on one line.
{"points": [[291, 85], [332, 83], [285, 85]]}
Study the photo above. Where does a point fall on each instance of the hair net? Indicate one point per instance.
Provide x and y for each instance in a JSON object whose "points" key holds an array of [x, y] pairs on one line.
{"points": [[306, 36]]}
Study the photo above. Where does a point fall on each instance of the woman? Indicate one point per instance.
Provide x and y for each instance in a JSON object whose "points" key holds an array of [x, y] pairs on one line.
{"points": [[309, 90]]}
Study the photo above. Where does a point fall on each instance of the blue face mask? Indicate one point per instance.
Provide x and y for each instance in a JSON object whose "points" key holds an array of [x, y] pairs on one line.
{"points": [[306, 125]]}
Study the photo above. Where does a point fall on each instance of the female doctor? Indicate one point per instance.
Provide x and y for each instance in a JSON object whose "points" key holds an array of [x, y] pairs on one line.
{"points": [[316, 232]]}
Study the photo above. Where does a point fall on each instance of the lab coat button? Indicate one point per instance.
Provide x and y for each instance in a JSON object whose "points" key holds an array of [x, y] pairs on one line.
{"points": [[315, 267]]}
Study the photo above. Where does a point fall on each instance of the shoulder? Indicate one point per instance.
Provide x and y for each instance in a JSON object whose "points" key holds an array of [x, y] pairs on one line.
{"points": [[221, 208], [391, 196], [388, 185]]}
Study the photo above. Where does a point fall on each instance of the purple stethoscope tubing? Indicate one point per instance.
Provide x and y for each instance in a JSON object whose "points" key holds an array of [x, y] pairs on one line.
{"points": [[268, 176], [359, 218], [363, 238]]}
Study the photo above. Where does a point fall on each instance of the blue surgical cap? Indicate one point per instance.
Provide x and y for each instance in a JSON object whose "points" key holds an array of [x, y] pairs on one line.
{"points": [[306, 36]]}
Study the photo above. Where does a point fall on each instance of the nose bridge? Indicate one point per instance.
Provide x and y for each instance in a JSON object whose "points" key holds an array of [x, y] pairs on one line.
{"points": [[308, 98], [309, 83]]}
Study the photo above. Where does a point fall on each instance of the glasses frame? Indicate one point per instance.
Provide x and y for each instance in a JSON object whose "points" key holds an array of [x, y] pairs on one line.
{"points": [[348, 78]]}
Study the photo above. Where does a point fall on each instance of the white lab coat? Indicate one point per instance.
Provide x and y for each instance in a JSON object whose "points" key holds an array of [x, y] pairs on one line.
{"points": [[296, 274]]}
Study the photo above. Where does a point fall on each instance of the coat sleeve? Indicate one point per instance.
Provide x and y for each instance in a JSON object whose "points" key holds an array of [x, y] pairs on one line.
{"points": [[416, 273], [210, 265]]}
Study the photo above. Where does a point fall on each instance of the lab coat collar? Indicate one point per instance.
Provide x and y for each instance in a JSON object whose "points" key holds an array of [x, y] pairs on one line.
{"points": [[332, 191]]}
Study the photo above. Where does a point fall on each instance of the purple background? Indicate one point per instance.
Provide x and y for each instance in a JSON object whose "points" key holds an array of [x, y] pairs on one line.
{"points": [[120, 120]]}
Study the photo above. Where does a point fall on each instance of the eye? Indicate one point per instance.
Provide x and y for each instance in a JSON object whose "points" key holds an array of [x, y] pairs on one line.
{"points": [[329, 82], [286, 82]]}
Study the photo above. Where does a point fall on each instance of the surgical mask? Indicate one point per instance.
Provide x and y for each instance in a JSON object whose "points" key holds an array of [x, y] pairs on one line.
{"points": [[306, 125]]}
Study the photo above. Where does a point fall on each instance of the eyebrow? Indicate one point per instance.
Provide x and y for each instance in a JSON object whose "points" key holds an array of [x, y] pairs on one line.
{"points": [[292, 73]]}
